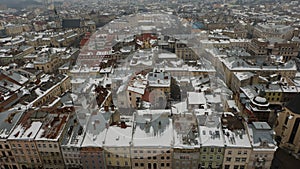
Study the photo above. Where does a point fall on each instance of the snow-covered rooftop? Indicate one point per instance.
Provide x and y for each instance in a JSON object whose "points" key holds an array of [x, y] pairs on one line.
{"points": [[152, 128]]}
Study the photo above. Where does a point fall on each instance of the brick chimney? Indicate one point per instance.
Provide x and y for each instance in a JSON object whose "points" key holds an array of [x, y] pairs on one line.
{"points": [[106, 108], [123, 125]]}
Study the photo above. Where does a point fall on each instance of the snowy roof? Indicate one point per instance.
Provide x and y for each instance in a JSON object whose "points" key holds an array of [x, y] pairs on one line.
{"points": [[96, 128], [8, 86], [18, 78], [196, 98], [234, 132], [137, 84], [167, 56], [158, 78], [232, 104], [185, 131], [26, 133], [235, 64], [119, 137], [237, 138], [9, 119], [261, 135], [210, 133], [153, 128], [243, 75], [213, 98], [53, 126]]}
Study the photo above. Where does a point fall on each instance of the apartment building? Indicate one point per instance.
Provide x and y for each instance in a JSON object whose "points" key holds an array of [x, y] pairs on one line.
{"points": [[9, 120], [72, 140], [212, 145], [117, 144], [22, 142], [11, 84], [50, 87], [237, 144], [241, 79], [273, 30], [233, 64], [288, 50], [258, 46], [184, 52], [263, 145], [92, 148], [48, 64], [49, 137], [186, 149], [152, 140], [159, 80]]}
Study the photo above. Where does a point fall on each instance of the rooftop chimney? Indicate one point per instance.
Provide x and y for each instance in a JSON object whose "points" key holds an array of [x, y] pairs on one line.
{"points": [[123, 125], [106, 108]]}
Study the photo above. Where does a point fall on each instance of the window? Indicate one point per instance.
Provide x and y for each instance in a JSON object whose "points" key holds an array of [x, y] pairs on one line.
{"points": [[154, 166], [162, 157], [237, 159], [245, 152], [229, 152], [136, 164], [135, 151], [142, 164], [227, 166], [218, 157], [211, 150], [168, 164], [141, 151], [236, 167], [126, 163], [242, 167], [203, 157], [154, 158], [162, 164], [219, 150], [228, 159], [243, 159], [204, 149], [239, 152], [168, 157]]}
